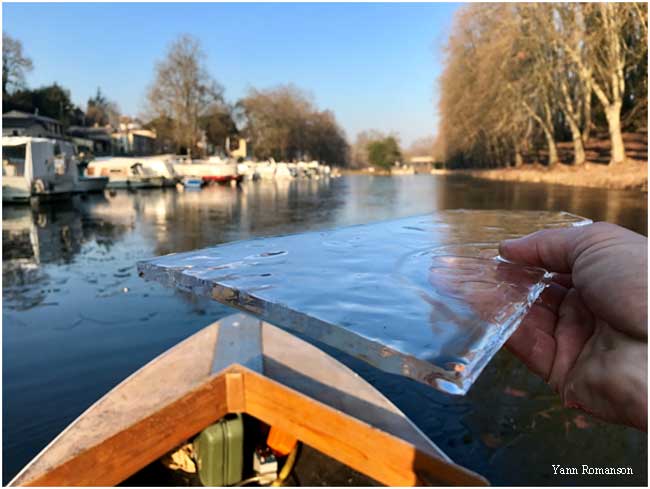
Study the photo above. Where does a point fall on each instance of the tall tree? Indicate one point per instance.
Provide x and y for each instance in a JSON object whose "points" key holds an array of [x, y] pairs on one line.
{"points": [[510, 65], [605, 41], [283, 123], [384, 153], [326, 140], [218, 123], [359, 150], [101, 111], [52, 101], [14, 64], [183, 90]]}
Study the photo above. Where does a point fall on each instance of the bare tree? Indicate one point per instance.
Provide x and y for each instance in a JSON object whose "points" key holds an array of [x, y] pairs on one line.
{"points": [[182, 90], [101, 111], [14, 64], [605, 40], [519, 73], [424, 146], [359, 150], [283, 123]]}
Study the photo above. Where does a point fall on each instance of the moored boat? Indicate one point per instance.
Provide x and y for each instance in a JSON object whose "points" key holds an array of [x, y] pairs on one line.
{"points": [[85, 184], [131, 173], [192, 182], [240, 366], [214, 169], [36, 167]]}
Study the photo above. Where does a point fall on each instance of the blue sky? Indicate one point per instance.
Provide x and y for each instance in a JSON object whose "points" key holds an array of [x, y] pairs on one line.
{"points": [[375, 65]]}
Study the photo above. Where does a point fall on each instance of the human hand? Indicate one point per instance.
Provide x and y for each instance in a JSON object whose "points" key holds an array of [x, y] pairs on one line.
{"points": [[587, 336]]}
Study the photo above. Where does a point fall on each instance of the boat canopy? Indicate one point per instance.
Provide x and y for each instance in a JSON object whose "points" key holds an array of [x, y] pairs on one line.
{"points": [[39, 156]]}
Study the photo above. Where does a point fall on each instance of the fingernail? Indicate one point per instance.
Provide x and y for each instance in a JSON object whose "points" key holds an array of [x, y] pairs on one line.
{"points": [[504, 245]]}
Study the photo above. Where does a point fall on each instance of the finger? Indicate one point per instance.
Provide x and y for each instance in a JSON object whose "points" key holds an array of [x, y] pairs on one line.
{"points": [[552, 249], [552, 297], [564, 279], [575, 325], [533, 342]]}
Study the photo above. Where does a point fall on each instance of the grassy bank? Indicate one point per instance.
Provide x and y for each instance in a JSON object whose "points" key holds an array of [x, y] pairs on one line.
{"points": [[632, 174]]}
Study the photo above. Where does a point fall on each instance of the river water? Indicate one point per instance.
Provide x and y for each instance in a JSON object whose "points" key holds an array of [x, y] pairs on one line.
{"points": [[77, 319]]}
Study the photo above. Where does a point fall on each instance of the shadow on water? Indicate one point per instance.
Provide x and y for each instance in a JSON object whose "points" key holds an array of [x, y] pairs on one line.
{"points": [[77, 319]]}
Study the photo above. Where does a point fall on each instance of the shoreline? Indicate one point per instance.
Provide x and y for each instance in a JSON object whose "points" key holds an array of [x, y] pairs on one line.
{"points": [[631, 175]]}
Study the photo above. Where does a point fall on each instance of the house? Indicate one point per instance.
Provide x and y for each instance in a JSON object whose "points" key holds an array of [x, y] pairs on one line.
{"points": [[237, 147], [132, 139], [424, 164], [95, 141], [17, 123]]}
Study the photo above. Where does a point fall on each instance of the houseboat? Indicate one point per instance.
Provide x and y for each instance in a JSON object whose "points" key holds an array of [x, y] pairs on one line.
{"points": [[37, 168], [133, 172], [214, 169], [88, 184]]}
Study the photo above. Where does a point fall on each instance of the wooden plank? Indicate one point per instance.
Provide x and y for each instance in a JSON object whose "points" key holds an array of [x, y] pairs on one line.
{"points": [[235, 395], [301, 366], [375, 453], [116, 458]]}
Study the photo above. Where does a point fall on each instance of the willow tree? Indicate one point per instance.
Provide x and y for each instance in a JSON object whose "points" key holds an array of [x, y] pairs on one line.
{"points": [[183, 90]]}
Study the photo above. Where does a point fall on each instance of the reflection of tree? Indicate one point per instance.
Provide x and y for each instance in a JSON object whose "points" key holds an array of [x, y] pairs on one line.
{"points": [[217, 214], [593, 203]]}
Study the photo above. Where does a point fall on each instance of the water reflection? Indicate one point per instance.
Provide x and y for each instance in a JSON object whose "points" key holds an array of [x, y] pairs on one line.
{"points": [[77, 319]]}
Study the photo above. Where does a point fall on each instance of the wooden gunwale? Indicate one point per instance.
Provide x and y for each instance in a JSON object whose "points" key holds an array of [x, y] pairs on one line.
{"points": [[124, 431]]}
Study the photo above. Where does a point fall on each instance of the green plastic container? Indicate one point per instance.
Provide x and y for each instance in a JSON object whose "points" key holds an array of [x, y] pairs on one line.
{"points": [[219, 451]]}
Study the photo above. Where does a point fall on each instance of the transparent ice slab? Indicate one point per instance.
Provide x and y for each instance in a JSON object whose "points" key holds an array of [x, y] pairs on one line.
{"points": [[426, 296]]}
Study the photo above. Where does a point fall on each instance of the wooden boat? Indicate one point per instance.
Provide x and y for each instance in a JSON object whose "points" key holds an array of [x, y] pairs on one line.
{"points": [[242, 365]]}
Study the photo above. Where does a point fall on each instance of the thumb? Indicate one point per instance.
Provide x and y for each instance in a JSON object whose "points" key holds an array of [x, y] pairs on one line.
{"points": [[556, 250]]}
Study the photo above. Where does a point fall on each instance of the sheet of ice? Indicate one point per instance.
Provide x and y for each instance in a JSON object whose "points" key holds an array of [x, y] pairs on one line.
{"points": [[425, 296]]}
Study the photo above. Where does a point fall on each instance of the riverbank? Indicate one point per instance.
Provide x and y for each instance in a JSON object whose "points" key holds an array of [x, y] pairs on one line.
{"points": [[633, 174]]}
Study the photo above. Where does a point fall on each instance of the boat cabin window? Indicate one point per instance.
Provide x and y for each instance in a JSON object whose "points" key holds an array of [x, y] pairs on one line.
{"points": [[113, 171], [13, 160]]}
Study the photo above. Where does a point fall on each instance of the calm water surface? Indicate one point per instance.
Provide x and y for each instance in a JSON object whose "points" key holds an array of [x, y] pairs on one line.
{"points": [[77, 319]]}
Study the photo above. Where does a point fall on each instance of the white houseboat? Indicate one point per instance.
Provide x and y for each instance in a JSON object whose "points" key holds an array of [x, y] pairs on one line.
{"points": [[134, 172], [37, 167], [213, 169]]}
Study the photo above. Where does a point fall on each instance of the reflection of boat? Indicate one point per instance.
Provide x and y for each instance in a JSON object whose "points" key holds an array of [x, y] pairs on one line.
{"points": [[32, 235], [213, 169], [241, 365], [123, 172], [36, 167]]}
